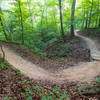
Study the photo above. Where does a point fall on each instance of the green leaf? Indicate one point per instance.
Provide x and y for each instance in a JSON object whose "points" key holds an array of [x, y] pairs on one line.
{"points": [[6, 98], [65, 95]]}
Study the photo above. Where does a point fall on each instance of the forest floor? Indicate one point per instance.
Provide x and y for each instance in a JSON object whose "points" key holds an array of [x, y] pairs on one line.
{"points": [[14, 86], [78, 53]]}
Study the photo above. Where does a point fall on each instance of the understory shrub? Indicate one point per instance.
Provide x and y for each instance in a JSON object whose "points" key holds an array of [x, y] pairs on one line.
{"points": [[4, 64], [45, 94]]}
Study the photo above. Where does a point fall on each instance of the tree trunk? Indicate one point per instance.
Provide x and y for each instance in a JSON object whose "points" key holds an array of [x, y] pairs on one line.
{"points": [[86, 24], [30, 14], [41, 22], [99, 22], [21, 22], [46, 17], [90, 14], [54, 17], [96, 22], [61, 23], [10, 33], [3, 29], [3, 53], [72, 17]]}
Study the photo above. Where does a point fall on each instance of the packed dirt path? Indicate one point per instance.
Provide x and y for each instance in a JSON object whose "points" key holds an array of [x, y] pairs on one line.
{"points": [[83, 72]]}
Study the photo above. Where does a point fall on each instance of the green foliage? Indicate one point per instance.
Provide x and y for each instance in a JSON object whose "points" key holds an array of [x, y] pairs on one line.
{"points": [[95, 87], [55, 94], [92, 31], [41, 23], [4, 64], [17, 72], [28, 94], [25, 81], [45, 94], [6, 98], [59, 50]]}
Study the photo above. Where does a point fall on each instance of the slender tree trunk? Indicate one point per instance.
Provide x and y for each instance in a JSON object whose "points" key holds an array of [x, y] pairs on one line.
{"points": [[10, 33], [61, 23], [99, 22], [46, 17], [30, 14], [3, 53], [83, 25], [72, 17], [96, 22], [42, 17], [3, 29], [99, 14], [86, 24], [54, 17], [21, 22], [42, 22], [46, 13], [90, 14]]}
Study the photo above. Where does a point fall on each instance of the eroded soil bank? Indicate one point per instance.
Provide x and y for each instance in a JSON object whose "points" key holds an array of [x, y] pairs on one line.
{"points": [[81, 72], [79, 52]]}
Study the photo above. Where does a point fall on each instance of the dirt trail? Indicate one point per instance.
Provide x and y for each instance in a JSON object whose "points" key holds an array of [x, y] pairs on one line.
{"points": [[94, 49], [82, 72]]}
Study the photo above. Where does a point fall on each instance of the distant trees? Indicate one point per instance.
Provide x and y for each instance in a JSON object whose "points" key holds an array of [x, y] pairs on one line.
{"points": [[90, 13], [31, 21]]}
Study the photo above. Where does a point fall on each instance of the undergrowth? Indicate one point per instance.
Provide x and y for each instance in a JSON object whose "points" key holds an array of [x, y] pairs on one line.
{"points": [[45, 94], [92, 31], [91, 90], [34, 91], [4, 64]]}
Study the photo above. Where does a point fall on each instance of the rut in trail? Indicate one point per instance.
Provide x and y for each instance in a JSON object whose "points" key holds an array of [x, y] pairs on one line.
{"points": [[82, 72]]}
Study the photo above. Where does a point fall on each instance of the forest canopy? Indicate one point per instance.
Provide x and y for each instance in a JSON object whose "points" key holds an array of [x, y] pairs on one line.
{"points": [[36, 23]]}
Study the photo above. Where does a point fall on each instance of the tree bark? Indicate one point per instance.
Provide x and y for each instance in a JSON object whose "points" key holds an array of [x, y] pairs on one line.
{"points": [[61, 23], [3, 53], [72, 17], [21, 21]]}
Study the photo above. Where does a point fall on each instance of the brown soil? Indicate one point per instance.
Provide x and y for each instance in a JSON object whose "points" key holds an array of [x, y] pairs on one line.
{"points": [[78, 53]]}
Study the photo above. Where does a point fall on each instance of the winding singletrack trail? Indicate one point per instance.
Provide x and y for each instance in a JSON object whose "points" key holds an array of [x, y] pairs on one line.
{"points": [[83, 72]]}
